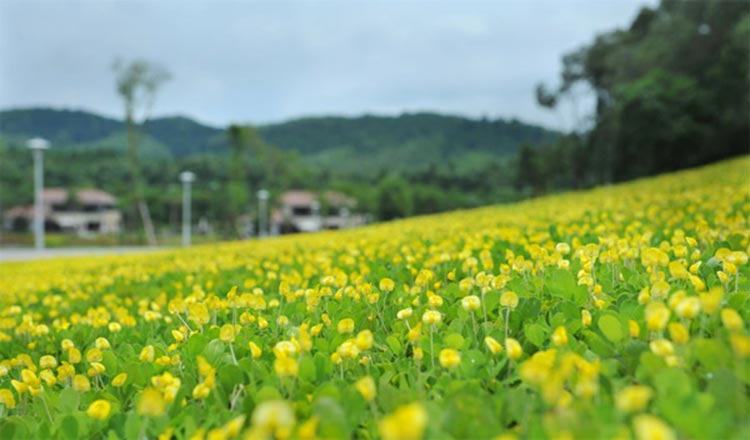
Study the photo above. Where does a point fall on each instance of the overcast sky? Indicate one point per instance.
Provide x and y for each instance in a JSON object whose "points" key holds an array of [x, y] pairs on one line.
{"points": [[259, 62]]}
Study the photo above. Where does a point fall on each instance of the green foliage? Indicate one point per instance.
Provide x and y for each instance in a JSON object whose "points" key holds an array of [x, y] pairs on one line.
{"points": [[671, 92], [394, 198]]}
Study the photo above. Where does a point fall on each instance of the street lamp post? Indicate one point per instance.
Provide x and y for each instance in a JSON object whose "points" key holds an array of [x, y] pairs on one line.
{"points": [[186, 177], [262, 212], [37, 146]]}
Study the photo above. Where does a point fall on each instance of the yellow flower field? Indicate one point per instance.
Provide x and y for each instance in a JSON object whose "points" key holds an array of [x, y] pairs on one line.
{"points": [[619, 312]]}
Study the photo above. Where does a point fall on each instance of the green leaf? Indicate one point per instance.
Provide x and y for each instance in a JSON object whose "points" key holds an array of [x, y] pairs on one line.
{"points": [[332, 419], [213, 351], [68, 400], [562, 284], [611, 327], [69, 427], [394, 344], [13, 428], [229, 376], [536, 334], [267, 393], [454, 340], [132, 425], [711, 353], [196, 344], [307, 369]]}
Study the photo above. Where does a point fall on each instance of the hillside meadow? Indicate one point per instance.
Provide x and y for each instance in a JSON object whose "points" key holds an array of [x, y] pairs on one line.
{"points": [[619, 312]]}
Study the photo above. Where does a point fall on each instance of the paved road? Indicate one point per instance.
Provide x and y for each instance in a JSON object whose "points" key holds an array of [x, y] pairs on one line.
{"points": [[28, 254]]}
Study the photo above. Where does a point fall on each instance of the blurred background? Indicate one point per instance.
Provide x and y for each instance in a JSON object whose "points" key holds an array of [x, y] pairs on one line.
{"points": [[296, 116]]}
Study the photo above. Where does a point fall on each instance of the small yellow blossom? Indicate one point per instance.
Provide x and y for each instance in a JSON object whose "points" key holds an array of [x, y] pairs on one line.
{"points": [[99, 409], [366, 387]]}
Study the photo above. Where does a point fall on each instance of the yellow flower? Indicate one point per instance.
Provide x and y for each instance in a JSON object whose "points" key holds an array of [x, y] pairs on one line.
{"points": [[285, 349], [418, 354], [513, 348], [740, 345], [406, 423], [415, 333], [81, 383], [226, 334], [119, 380], [20, 387], [465, 285], [114, 327], [678, 333], [633, 398], [74, 355], [404, 313], [432, 317], [274, 418], [434, 301], [585, 318], [364, 340], [178, 336], [255, 351], [471, 303], [307, 430], [657, 316], [198, 313], [560, 336], [94, 355], [285, 366], [634, 329], [262, 323], [509, 299], [47, 361], [147, 354], [662, 347], [493, 345], [7, 399], [48, 377], [689, 307], [67, 344], [648, 427], [711, 300], [201, 391], [99, 409], [386, 285], [366, 387], [102, 344], [731, 319], [96, 369], [151, 403], [449, 358], [345, 326]]}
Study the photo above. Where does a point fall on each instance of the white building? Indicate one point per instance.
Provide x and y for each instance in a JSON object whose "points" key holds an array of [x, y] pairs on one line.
{"points": [[91, 211], [305, 211]]}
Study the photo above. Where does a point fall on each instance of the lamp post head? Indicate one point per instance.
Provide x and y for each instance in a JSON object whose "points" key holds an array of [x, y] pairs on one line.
{"points": [[263, 194], [37, 144], [187, 176]]}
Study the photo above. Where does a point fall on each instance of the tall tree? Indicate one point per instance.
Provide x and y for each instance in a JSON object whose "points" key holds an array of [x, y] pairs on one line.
{"points": [[137, 83], [672, 90]]}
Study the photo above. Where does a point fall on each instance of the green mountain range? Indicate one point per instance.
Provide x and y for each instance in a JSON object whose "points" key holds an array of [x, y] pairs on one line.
{"points": [[411, 140]]}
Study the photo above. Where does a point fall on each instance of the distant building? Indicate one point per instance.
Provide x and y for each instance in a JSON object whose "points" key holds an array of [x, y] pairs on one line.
{"points": [[305, 211], [91, 211]]}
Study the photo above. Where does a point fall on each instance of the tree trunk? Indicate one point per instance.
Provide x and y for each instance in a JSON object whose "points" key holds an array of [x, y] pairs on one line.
{"points": [[148, 225], [140, 201]]}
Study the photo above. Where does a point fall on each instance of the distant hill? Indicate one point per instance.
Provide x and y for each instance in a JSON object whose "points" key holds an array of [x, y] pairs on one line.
{"points": [[406, 141]]}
